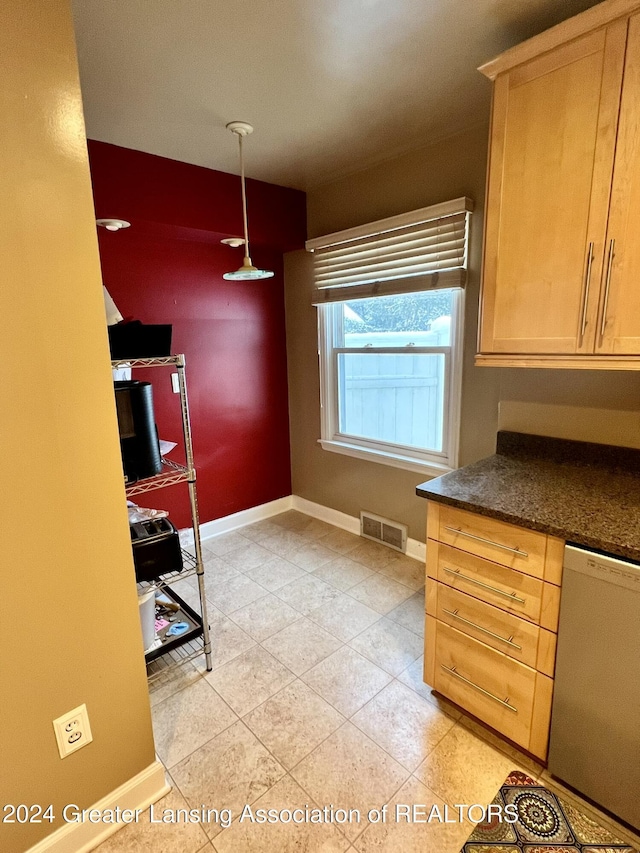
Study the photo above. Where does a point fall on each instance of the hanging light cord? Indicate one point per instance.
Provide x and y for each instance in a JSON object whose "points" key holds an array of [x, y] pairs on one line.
{"points": [[244, 201]]}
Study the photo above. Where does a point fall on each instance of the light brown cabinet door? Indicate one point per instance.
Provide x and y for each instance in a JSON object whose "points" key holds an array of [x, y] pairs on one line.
{"points": [[551, 162], [619, 315]]}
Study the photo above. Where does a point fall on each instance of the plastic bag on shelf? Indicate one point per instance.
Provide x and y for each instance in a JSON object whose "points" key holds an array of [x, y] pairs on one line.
{"points": [[140, 513]]}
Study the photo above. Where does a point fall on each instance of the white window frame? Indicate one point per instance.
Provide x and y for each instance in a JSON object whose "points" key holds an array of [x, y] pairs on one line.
{"points": [[386, 453]]}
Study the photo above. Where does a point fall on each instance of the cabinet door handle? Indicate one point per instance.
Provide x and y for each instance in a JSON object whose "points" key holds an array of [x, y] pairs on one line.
{"points": [[456, 615], [510, 595], [585, 292], [504, 702], [461, 532], [607, 285]]}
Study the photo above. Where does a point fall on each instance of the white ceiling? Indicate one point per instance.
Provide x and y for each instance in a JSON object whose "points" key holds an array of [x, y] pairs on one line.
{"points": [[329, 85]]}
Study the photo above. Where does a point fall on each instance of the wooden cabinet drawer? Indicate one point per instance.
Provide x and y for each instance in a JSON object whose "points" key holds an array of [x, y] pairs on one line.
{"points": [[492, 687], [510, 634], [498, 585], [512, 546]]}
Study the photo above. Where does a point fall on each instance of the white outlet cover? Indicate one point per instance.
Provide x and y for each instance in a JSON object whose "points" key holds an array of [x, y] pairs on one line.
{"points": [[68, 727]]}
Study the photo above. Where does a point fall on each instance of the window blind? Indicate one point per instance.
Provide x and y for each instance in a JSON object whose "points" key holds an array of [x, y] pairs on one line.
{"points": [[424, 249]]}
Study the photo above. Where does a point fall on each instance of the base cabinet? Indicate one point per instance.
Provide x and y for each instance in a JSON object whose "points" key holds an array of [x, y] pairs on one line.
{"points": [[490, 634]]}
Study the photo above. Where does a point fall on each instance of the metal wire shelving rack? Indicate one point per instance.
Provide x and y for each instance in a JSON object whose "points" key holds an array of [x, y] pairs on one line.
{"points": [[163, 666]]}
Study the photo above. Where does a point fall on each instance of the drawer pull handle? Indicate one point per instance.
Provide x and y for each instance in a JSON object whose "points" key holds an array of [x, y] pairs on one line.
{"points": [[487, 541], [510, 595], [486, 631], [453, 671]]}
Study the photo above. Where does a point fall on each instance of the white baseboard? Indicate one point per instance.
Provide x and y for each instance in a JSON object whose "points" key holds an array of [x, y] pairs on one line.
{"points": [[415, 548], [248, 516], [325, 513], [145, 788]]}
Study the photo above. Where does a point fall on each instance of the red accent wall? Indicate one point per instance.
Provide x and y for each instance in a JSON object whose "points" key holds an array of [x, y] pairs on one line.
{"points": [[167, 268]]}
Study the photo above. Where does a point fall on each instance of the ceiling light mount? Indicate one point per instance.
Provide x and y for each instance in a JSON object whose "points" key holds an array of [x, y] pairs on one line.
{"points": [[247, 271], [241, 128], [234, 242], [113, 224]]}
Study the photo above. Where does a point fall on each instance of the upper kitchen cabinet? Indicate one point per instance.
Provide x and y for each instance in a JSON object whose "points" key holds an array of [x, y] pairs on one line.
{"points": [[561, 259]]}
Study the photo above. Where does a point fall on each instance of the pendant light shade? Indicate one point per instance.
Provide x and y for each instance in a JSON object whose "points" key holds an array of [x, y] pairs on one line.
{"points": [[247, 271]]}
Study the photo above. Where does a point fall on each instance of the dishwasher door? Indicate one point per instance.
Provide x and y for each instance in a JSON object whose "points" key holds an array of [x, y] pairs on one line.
{"points": [[595, 723]]}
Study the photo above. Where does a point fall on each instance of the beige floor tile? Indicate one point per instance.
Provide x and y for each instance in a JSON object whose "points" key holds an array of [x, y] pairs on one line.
{"points": [[301, 645], [372, 555], [187, 720], [403, 723], [398, 835], [405, 570], [389, 645], [250, 679], [265, 617], [237, 593], [316, 529], [232, 769], [188, 592], [311, 556], [410, 614], [341, 541], [283, 542], [227, 640], [520, 759], [344, 617], [346, 680], [464, 769], [260, 530], [216, 573], [289, 519], [249, 556], [380, 593], [147, 837], [248, 837], [352, 772], [293, 722], [412, 676], [174, 680], [276, 573], [343, 573], [223, 544], [307, 594]]}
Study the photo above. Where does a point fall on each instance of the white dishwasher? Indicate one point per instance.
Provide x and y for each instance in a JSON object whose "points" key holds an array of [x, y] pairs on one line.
{"points": [[595, 724]]}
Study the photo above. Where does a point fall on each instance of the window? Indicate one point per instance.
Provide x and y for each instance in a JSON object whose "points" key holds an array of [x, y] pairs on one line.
{"points": [[391, 345]]}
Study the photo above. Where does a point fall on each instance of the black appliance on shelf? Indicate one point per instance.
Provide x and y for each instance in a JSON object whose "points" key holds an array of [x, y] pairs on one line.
{"points": [[139, 340], [156, 549], [138, 432]]}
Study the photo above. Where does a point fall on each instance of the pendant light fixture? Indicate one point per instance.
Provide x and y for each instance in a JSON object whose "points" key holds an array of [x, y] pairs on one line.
{"points": [[247, 271]]}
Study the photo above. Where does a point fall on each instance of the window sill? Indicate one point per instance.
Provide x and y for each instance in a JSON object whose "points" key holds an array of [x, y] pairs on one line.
{"points": [[394, 460]]}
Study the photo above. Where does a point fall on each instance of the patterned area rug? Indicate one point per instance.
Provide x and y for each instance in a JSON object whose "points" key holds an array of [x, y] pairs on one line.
{"points": [[546, 824]]}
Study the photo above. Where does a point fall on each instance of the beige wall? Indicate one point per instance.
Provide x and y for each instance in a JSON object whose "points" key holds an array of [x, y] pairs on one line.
{"points": [[70, 623], [583, 405], [447, 169]]}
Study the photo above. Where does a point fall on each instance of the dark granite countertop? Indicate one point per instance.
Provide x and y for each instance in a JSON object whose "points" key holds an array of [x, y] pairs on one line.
{"points": [[588, 494]]}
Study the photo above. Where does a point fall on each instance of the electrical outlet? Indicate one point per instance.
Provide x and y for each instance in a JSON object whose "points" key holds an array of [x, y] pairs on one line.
{"points": [[72, 731]]}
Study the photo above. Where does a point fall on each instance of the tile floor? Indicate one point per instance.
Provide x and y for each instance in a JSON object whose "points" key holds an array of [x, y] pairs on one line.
{"points": [[316, 697]]}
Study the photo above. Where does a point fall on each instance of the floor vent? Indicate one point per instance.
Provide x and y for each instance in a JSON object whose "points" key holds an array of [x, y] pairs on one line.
{"points": [[383, 530]]}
